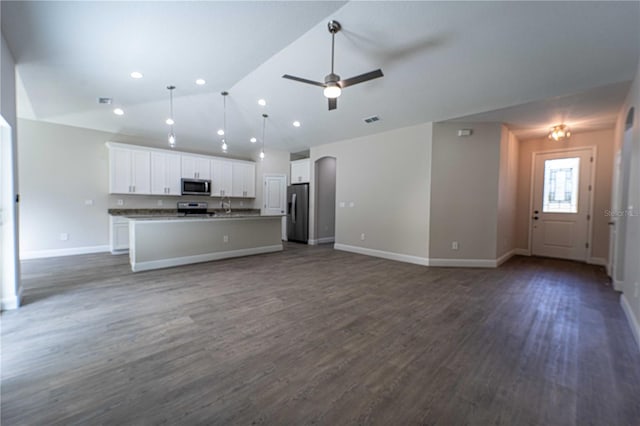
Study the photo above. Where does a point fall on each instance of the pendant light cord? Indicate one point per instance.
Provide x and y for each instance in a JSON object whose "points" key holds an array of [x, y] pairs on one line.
{"points": [[264, 124]]}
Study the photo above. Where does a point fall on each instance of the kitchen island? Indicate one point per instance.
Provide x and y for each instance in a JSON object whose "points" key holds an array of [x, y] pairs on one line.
{"points": [[159, 242]]}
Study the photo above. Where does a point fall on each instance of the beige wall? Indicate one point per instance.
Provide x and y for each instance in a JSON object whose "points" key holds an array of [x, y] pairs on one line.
{"points": [[384, 182], [507, 193], [603, 141], [464, 194], [61, 167]]}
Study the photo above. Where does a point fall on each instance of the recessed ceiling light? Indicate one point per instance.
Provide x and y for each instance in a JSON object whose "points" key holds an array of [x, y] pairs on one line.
{"points": [[136, 74], [262, 102], [253, 140], [170, 121], [200, 82], [296, 124], [118, 111], [221, 132]]}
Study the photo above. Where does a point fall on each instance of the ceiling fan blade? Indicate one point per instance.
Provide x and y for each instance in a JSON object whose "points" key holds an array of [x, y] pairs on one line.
{"points": [[303, 80], [361, 78], [333, 103]]}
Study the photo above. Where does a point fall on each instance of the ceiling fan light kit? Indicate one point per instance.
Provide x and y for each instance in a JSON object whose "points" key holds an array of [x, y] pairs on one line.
{"points": [[332, 84]]}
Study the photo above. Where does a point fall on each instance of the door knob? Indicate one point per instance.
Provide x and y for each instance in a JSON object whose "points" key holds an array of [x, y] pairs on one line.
{"points": [[536, 212]]}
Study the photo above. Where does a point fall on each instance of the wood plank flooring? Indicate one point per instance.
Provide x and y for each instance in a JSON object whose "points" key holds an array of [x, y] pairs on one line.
{"points": [[316, 336]]}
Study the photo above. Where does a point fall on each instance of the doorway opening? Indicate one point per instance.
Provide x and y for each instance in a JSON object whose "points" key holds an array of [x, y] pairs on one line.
{"points": [[9, 259], [561, 203], [619, 214], [325, 200]]}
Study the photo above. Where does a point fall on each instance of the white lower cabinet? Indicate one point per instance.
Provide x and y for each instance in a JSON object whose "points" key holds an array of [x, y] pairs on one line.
{"points": [[118, 234]]}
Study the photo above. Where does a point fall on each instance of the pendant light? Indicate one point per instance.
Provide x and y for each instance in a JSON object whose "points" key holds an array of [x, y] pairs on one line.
{"points": [[223, 131], [264, 123], [170, 121]]}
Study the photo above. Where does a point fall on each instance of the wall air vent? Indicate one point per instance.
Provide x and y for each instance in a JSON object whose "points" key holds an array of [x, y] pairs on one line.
{"points": [[106, 101], [371, 119]]}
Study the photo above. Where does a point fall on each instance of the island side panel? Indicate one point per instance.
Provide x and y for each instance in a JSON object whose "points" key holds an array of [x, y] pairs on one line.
{"points": [[158, 244]]}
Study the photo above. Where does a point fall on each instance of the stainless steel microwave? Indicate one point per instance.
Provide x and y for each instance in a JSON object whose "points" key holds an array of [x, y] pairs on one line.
{"points": [[196, 187]]}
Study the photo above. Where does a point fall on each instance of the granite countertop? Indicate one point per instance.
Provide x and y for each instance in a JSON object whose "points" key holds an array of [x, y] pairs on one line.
{"points": [[173, 213]]}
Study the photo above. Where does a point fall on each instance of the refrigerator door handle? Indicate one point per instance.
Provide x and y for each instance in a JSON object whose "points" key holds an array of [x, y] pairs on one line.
{"points": [[293, 207]]}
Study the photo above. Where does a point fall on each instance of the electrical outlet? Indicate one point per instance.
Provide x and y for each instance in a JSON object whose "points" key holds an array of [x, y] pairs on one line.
{"points": [[88, 202], [241, 203], [64, 236], [455, 245], [342, 203], [160, 203], [362, 237], [225, 239], [120, 202], [352, 204]]}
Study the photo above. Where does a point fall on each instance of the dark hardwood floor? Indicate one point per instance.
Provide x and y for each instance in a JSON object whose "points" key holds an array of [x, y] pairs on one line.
{"points": [[316, 336]]}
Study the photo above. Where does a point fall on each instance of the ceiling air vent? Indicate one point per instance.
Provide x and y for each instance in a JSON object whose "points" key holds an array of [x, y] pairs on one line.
{"points": [[106, 101], [372, 119]]}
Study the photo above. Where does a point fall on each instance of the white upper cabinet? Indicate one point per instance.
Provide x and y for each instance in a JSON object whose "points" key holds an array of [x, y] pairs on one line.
{"points": [[222, 177], [129, 171], [243, 179], [301, 171], [196, 167], [165, 173]]}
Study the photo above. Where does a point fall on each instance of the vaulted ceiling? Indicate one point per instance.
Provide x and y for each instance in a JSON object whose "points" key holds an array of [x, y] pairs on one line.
{"points": [[525, 63]]}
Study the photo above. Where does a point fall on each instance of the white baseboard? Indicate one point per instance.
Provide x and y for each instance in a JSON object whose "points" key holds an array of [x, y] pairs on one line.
{"points": [[39, 254], [521, 252], [312, 242], [9, 303], [326, 240], [633, 321], [597, 261], [383, 254], [617, 285], [186, 260], [463, 263], [508, 255]]}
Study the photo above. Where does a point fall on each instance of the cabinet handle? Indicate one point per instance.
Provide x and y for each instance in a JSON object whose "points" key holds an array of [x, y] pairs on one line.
{"points": [[134, 188]]}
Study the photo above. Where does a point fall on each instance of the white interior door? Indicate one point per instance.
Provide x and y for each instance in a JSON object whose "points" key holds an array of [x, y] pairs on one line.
{"points": [[561, 204], [274, 195]]}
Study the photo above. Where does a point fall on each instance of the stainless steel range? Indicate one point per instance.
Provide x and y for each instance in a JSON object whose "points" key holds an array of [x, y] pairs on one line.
{"points": [[191, 208]]}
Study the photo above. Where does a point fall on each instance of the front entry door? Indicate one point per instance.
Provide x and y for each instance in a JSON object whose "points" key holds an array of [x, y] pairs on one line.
{"points": [[561, 203]]}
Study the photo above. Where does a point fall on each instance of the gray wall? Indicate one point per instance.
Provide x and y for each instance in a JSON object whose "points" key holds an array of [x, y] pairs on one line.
{"points": [[325, 179], [62, 167], [384, 182], [464, 194]]}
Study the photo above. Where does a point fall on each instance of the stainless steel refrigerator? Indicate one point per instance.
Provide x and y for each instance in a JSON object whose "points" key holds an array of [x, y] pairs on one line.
{"points": [[298, 212]]}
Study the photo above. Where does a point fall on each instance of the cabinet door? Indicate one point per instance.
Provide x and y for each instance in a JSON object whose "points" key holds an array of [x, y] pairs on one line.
{"points": [[250, 181], [188, 170], [300, 172], [172, 174], [158, 173], [119, 171], [203, 168], [165, 174], [237, 179], [141, 172], [222, 178]]}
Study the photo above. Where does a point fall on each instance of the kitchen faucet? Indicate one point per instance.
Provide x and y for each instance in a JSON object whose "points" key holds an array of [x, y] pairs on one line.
{"points": [[226, 205]]}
